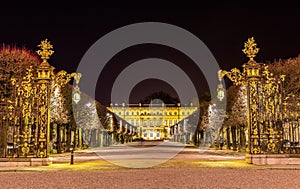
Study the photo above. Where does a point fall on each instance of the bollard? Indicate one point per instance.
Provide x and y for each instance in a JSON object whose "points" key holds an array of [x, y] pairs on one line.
{"points": [[72, 157]]}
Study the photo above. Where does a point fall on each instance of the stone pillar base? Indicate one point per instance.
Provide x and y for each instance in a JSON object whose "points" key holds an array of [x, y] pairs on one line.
{"points": [[273, 159], [17, 162]]}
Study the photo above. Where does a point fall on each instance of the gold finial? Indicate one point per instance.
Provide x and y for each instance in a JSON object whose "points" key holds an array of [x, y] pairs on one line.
{"points": [[77, 77], [45, 51], [250, 48]]}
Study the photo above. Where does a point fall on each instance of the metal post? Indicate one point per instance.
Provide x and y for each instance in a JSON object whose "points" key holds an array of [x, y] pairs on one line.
{"points": [[72, 157]]}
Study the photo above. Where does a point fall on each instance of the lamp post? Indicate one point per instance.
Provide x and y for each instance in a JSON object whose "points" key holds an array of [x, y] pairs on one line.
{"points": [[263, 100], [220, 91], [112, 128]]}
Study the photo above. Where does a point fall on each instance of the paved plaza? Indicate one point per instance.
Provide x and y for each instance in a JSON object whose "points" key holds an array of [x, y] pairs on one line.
{"points": [[191, 168]]}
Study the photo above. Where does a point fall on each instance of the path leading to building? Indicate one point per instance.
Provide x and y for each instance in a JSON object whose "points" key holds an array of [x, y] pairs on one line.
{"points": [[151, 150]]}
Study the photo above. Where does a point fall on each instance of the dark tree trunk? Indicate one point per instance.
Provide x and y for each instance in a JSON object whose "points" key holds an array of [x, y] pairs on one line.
{"points": [[68, 142], [243, 139], [58, 139], [233, 132], [228, 137], [2, 138], [196, 137]]}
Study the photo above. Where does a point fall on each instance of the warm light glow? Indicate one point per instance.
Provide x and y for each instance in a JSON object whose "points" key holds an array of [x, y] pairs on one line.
{"points": [[56, 91], [220, 92], [76, 97]]}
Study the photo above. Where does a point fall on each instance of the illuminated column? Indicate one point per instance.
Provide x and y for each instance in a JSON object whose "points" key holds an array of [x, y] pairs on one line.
{"points": [[43, 102]]}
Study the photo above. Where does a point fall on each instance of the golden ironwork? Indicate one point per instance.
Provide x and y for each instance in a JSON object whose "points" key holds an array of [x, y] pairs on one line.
{"points": [[250, 49], [77, 77], [45, 51], [24, 98], [32, 104], [291, 128], [234, 75], [264, 98]]}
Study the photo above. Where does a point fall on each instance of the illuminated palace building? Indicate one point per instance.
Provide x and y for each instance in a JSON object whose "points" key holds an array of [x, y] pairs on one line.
{"points": [[153, 121]]}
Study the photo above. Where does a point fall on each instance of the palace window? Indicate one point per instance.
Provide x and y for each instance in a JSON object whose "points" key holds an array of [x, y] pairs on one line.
{"points": [[151, 134]]}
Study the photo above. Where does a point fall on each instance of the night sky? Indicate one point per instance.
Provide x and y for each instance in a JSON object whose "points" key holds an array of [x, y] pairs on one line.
{"points": [[223, 30]]}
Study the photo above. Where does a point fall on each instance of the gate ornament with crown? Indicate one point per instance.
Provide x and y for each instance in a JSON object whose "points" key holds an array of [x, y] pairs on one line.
{"points": [[264, 100], [32, 104]]}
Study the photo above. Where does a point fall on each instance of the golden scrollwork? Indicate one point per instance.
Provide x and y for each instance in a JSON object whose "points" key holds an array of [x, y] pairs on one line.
{"points": [[62, 78], [250, 49], [45, 51], [255, 150], [234, 75], [77, 77]]}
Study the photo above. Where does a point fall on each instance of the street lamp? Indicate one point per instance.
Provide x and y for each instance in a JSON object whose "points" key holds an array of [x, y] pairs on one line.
{"points": [[220, 92]]}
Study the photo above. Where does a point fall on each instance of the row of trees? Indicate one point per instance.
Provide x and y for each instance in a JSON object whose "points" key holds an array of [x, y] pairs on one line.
{"points": [[89, 118]]}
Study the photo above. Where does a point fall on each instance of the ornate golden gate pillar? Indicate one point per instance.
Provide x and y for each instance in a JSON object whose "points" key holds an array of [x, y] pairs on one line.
{"points": [[43, 100], [44, 79], [264, 100]]}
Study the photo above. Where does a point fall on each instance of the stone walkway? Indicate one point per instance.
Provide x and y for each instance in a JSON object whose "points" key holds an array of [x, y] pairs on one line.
{"points": [[191, 168]]}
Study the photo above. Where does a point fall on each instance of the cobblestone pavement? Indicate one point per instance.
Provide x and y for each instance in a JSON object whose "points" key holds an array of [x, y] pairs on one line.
{"points": [[191, 168]]}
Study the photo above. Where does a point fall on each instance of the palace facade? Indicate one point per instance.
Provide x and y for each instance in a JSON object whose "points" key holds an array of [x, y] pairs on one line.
{"points": [[153, 121]]}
